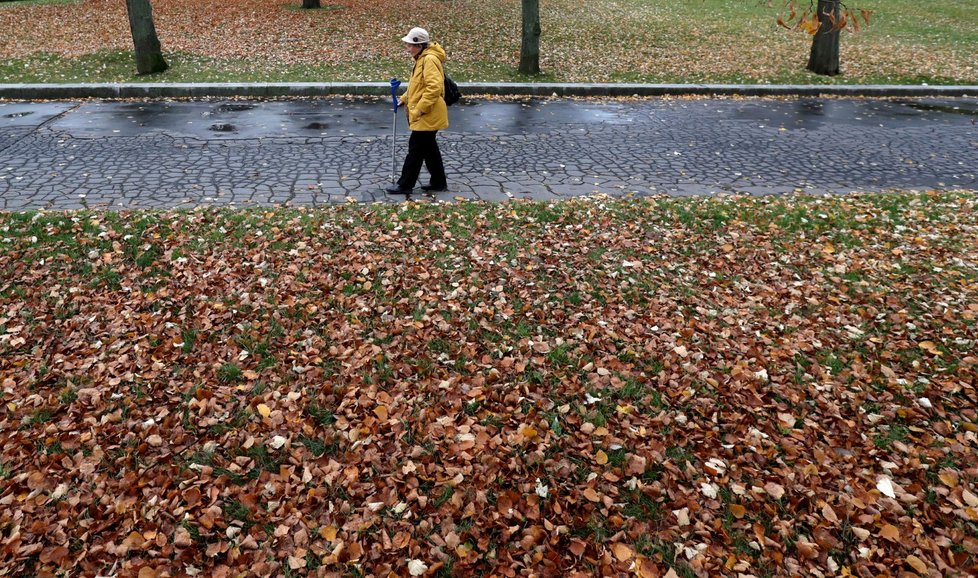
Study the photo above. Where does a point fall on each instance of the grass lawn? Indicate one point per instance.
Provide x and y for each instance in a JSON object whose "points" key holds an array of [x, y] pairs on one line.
{"points": [[707, 386], [717, 41]]}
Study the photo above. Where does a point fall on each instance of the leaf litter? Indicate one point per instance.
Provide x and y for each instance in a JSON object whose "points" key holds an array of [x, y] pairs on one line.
{"points": [[488, 388]]}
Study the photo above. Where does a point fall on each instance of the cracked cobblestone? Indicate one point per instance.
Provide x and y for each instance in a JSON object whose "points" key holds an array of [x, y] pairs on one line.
{"points": [[161, 154]]}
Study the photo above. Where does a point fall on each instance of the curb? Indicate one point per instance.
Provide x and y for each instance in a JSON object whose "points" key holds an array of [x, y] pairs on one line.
{"points": [[307, 89]]}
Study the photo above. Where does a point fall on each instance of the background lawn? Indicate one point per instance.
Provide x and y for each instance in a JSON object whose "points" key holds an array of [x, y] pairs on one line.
{"points": [[723, 41]]}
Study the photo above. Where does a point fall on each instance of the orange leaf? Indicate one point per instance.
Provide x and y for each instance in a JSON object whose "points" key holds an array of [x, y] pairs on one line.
{"points": [[890, 532], [577, 548], [591, 495], [147, 572], [622, 552], [917, 564], [738, 511], [601, 458], [930, 347]]}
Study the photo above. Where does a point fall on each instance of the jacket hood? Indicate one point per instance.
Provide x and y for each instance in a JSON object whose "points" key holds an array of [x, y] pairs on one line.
{"points": [[435, 49]]}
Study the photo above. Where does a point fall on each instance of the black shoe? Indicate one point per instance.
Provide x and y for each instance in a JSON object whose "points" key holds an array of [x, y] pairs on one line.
{"points": [[434, 189], [396, 189]]}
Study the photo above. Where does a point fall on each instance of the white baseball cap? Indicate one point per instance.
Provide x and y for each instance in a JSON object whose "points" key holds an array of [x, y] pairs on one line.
{"points": [[417, 36]]}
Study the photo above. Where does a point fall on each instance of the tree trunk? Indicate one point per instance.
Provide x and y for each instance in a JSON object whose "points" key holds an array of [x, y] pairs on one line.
{"points": [[149, 57], [311, 4], [824, 58], [530, 50]]}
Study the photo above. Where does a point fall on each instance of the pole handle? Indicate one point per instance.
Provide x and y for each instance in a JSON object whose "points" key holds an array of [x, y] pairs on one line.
{"points": [[395, 84]]}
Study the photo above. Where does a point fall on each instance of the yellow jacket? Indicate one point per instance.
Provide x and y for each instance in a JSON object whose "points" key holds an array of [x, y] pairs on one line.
{"points": [[426, 109]]}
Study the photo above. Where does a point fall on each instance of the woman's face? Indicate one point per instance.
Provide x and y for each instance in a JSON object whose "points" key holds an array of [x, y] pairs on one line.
{"points": [[412, 49]]}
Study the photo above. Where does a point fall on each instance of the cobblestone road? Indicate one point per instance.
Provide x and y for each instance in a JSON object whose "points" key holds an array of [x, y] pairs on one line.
{"points": [[66, 155]]}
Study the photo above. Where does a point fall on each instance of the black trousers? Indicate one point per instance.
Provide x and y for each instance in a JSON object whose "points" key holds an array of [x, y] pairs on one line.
{"points": [[422, 149]]}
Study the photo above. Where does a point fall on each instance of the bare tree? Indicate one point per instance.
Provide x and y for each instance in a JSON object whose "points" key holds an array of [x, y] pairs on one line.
{"points": [[149, 56], [824, 20], [530, 48]]}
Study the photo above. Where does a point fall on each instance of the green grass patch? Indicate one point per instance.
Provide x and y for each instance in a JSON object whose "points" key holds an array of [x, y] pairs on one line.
{"points": [[707, 41]]}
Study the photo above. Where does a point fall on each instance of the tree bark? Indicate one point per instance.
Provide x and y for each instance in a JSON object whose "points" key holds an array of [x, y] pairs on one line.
{"points": [[530, 49], [311, 4], [149, 56], [824, 58]]}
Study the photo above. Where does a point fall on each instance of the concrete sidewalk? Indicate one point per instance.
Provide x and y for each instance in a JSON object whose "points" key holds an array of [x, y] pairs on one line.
{"points": [[321, 89], [145, 154]]}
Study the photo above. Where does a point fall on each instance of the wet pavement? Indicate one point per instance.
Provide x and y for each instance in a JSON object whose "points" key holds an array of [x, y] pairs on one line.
{"points": [[67, 155]]}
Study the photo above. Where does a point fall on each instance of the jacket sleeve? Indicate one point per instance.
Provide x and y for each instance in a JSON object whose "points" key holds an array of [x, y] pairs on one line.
{"points": [[434, 84]]}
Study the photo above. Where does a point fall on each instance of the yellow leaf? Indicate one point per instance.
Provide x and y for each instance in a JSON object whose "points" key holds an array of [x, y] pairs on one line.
{"points": [[264, 410], [328, 533], [930, 347], [529, 432], [949, 478], [601, 458]]}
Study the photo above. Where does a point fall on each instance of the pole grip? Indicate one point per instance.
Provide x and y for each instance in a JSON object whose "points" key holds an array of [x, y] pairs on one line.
{"points": [[395, 84]]}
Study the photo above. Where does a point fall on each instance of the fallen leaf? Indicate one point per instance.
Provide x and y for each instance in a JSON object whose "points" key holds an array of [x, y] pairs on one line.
{"points": [[917, 564], [885, 486], [622, 552], [775, 490], [417, 567], [949, 478], [829, 514], [577, 547], [890, 532]]}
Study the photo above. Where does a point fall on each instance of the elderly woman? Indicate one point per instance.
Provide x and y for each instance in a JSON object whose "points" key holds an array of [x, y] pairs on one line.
{"points": [[427, 114]]}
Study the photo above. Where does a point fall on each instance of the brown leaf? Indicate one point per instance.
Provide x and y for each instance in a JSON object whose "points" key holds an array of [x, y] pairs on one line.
{"points": [[53, 555], [591, 495], [191, 496], [775, 490], [829, 514]]}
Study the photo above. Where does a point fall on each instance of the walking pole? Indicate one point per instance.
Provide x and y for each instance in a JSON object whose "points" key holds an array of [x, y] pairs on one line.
{"points": [[395, 84]]}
